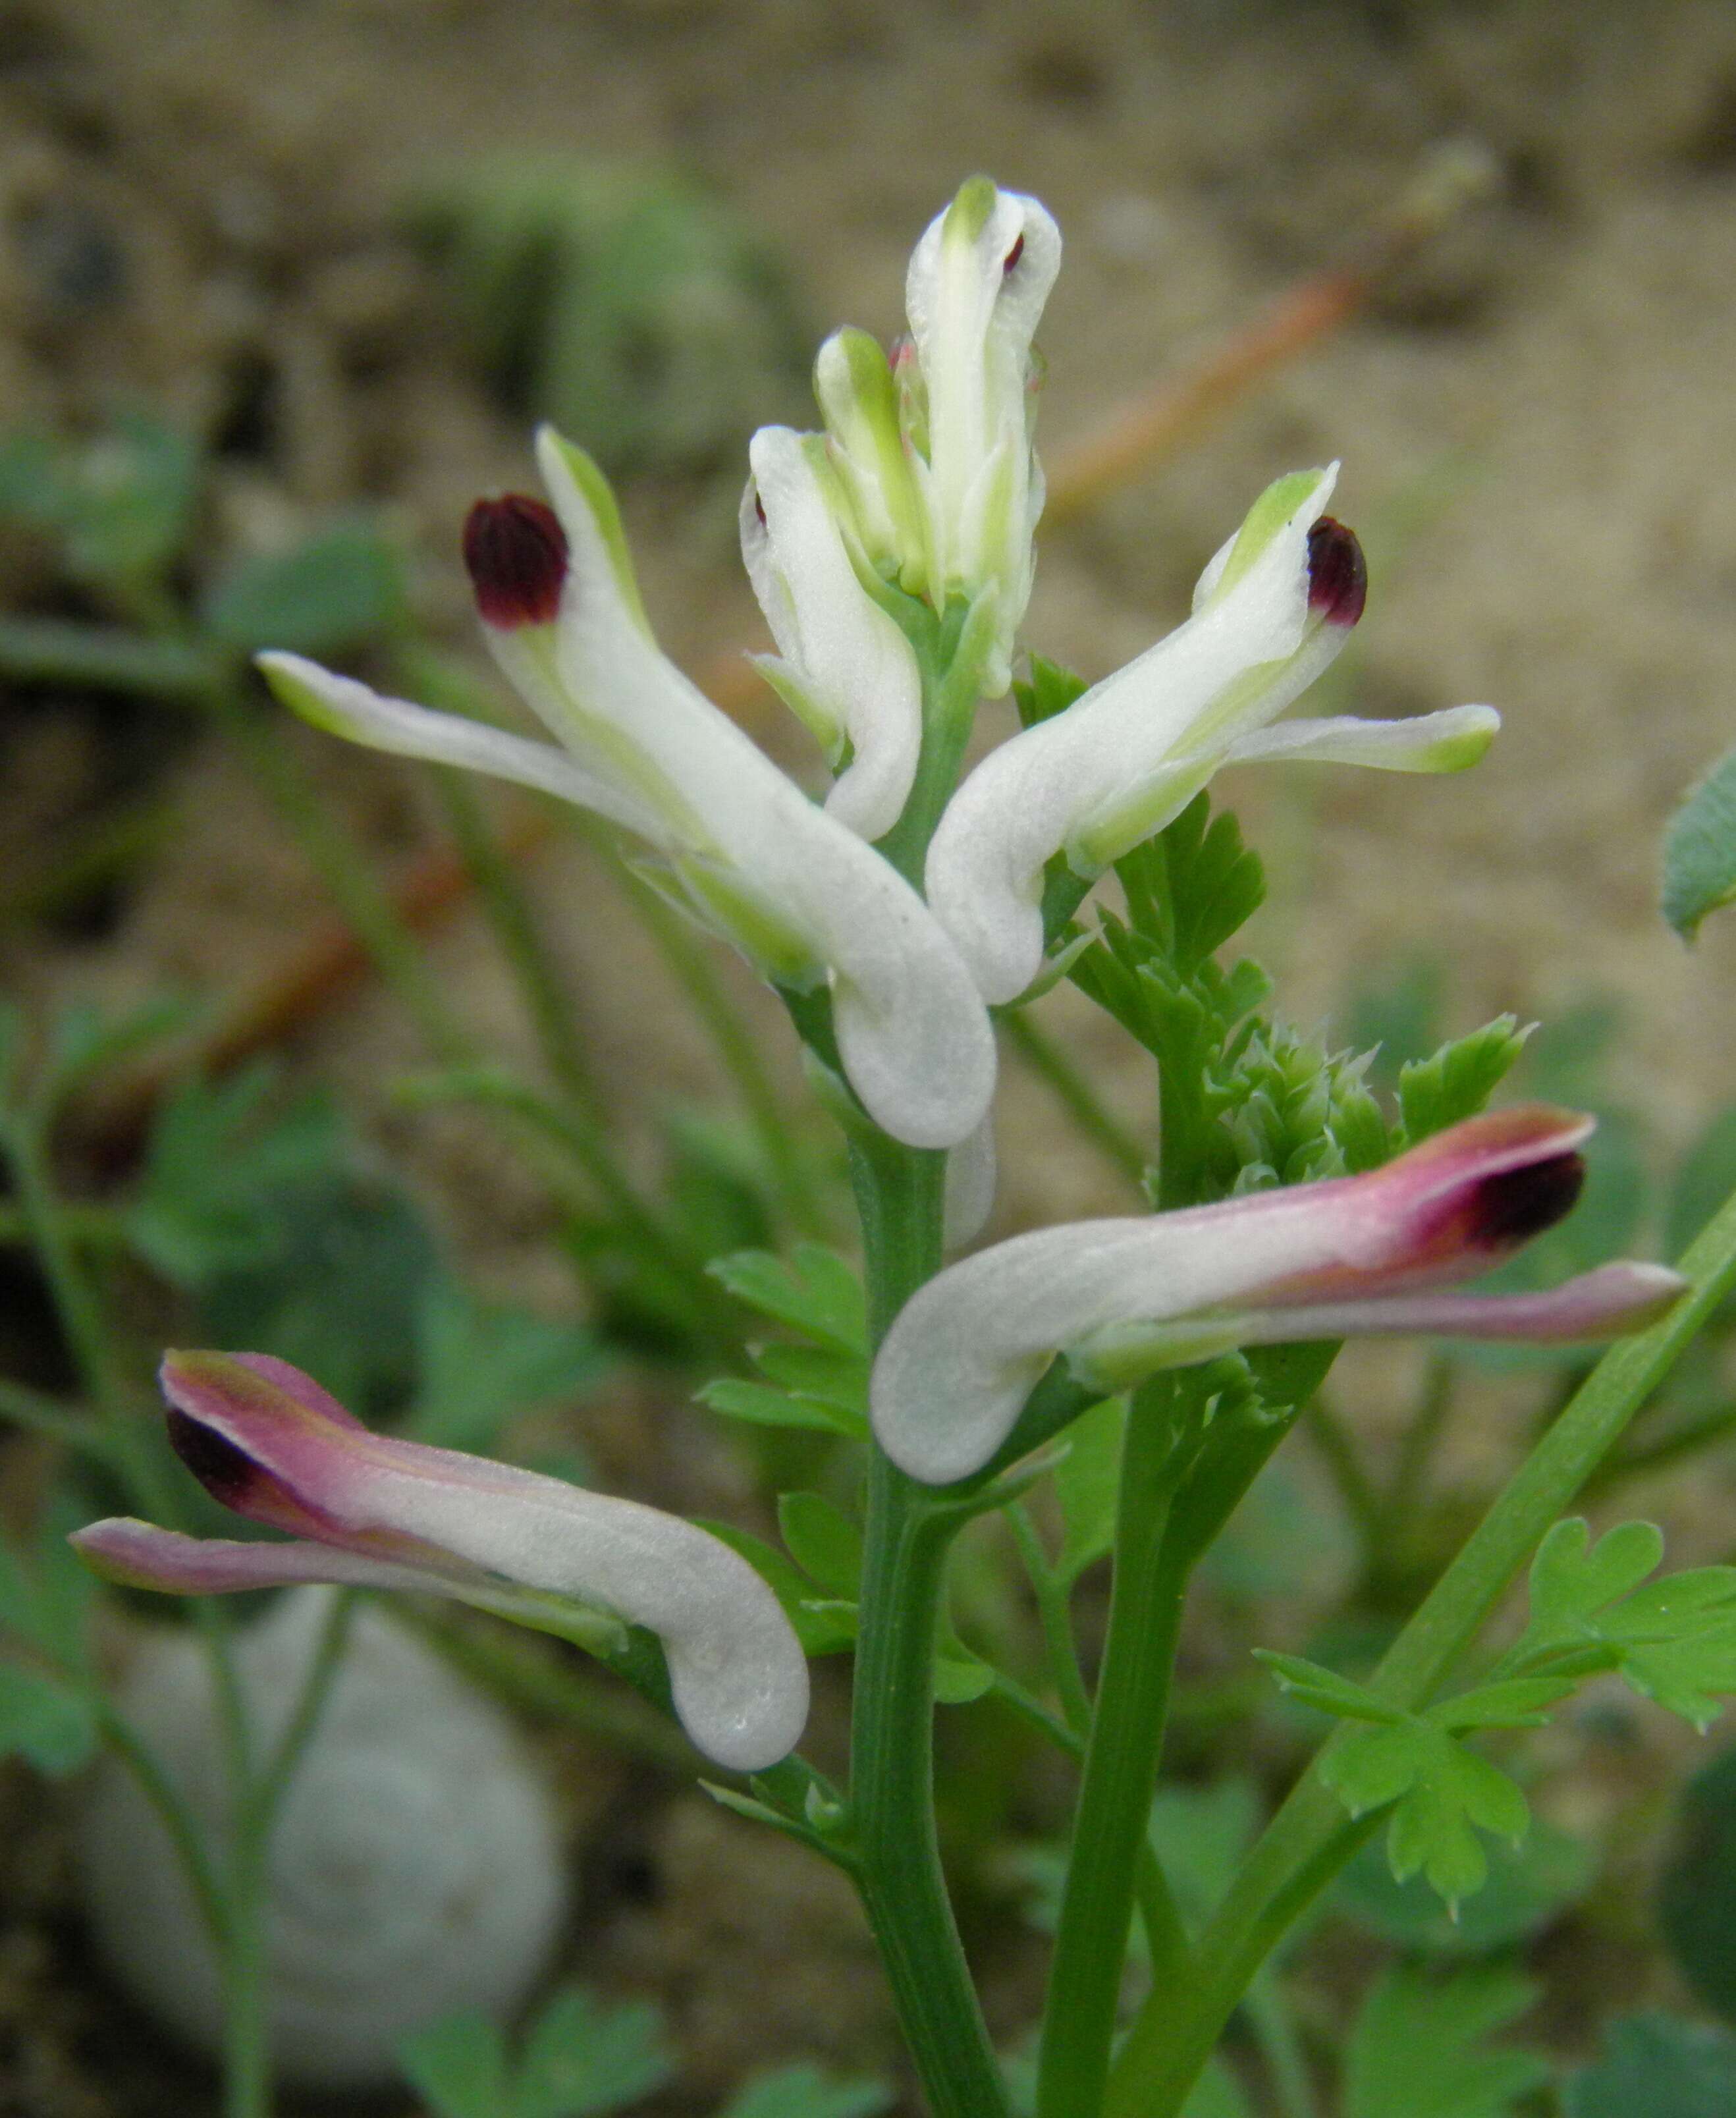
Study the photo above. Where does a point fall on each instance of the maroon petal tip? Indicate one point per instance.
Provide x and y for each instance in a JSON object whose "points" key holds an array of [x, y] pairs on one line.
{"points": [[228, 1474], [1513, 1205], [515, 551], [1338, 575]]}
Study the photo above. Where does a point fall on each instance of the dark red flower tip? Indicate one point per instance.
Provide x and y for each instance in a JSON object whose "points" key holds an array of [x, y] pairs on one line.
{"points": [[1014, 255], [1338, 575], [1509, 1208], [226, 1472], [515, 550]]}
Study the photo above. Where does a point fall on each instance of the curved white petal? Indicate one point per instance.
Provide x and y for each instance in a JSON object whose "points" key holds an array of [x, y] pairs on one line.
{"points": [[977, 281], [341, 705], [1449, 740], [963, 1355], [1117, 748], [737, 1672], [848, 657], [912, 1032], [972, 1169]]}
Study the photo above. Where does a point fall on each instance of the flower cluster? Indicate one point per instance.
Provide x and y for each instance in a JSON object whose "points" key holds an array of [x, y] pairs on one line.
{"points": [[891, 554]]}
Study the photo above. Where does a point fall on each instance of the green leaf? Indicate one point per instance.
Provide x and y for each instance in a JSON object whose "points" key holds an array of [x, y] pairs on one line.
{"points": [[1698, 1899], [1673, 1639], [804, 2090], [816, 1293], [821, 1628], [121, 500], [1700, 851], [1087, 1485], [340, 1294], [960, 1676], [1528, 1887], [1441, 1793], [481, 1365], [582, 2057], [46, 1722], [1459, 1079], [459, 2064], [216, 1163], [840, 1381], [1050, 690], [1657, 2066], [823, 1541], [1420, 2047], [340, 588], [762, 1405], [1314, 1685]]}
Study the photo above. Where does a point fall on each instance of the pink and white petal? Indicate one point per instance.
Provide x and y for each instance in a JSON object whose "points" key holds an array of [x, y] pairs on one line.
{"points": [[1602, 1304], [737, 1673], [138, 1555], [964, 1353]]}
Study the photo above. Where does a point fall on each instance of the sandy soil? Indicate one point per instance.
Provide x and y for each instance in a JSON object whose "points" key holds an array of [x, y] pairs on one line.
{"points": [[190, 189]]}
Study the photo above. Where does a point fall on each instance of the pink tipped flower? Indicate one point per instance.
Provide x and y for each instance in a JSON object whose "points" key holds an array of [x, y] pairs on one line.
{"points": [[1350, 1255], [372, 1512], [1270, 611], [794, 888]]}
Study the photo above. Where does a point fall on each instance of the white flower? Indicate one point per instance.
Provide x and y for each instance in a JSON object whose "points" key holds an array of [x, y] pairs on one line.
{"points": [[1270, 611], [803, 897], [374, 1511], [846, 669], [1125, 1298], [978, 279]]}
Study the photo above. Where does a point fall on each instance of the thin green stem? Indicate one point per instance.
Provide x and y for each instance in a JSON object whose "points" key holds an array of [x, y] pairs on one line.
{"points": [[1336, 1446], [1310, 1839], [1111, 1824], [1275, 2032], [767, 1107], [75, 1305], [247, 2075], [177, 1819], [1030, 1708], [1166, 1939], [1096, 1121], [906, 1541], [1055, 1617], [39, 1413], [509, 913], [86, 1226], [1422, 1437], [341, 867]]}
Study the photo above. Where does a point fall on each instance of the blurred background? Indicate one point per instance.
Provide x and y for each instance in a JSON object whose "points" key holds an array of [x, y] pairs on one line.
{"points": [[283, 285]]}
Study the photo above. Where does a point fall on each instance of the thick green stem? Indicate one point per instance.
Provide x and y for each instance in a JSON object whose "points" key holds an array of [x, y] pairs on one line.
{"points": [[1310, 1839], [1111, 1823], [907, 1538]]}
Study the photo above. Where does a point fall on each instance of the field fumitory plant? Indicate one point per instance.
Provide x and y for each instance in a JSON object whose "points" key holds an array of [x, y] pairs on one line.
{"points": [[896, 917]]}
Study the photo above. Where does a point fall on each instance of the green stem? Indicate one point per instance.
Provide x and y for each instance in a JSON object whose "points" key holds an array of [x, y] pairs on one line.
{"points": [[1112, 1821], [509, 913], [38, 1413], [341, 867], [907, 1537], [1416, 1451], [767, 1107], [246, 2074], [1076, 1095], [1310, 1839], [1338, 1451], [176, 1819]]}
